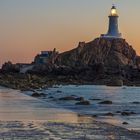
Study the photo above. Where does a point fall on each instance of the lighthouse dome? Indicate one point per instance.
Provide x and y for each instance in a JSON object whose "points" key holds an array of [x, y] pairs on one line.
{"points": [[113, 11]]}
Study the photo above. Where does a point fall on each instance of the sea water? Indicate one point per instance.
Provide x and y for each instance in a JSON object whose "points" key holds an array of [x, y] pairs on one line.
{"points": [[123, 99]]}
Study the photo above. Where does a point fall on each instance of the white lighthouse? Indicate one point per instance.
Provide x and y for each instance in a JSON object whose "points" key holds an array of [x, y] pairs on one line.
{"points": [[113, 31]]}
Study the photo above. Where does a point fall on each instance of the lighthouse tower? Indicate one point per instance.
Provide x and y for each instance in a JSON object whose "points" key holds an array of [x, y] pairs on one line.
{"points": [[113, 31]]}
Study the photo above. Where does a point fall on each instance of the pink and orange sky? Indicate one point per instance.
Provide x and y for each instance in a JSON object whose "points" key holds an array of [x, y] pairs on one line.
{"points": [[30, 26]]}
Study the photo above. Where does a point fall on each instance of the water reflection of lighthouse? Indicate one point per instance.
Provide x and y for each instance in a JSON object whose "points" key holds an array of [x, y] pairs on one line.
{"points": [[113, 31]]}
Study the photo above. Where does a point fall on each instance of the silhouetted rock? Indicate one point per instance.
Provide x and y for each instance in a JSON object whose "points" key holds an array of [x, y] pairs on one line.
{"points": [[68, 98], [95, 116], [109, 114], [115, 82], [125, 123], [103, 61], [43, 94], [9, 67], [127, 113], [135, 102], [79, 99], [83, 103], [95, 99], [106, 102], [51, 97], [36, 95], [106, 51], [118, 111]]}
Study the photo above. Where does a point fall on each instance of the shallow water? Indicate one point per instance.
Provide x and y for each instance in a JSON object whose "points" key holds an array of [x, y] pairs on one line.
{"points": [[122, 98], [24, 117], [15, 106]]}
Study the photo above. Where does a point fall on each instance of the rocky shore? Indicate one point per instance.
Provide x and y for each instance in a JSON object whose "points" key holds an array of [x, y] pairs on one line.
{"points": [[25, 82], [103, 61], [111, 62], [52, 130]]}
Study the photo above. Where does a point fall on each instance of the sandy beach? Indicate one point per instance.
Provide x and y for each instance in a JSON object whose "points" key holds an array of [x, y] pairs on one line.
{"points": [[24, 117]]}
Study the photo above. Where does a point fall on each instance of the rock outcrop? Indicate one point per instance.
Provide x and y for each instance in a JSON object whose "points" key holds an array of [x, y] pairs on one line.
{"points": [[109, 52], [9, 67], [104, 61]]}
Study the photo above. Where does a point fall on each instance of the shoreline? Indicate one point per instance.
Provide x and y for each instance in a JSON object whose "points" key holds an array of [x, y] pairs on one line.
{"points": [[61, 97], [80, 127], [108, 126], [25, 82], [56, 130]]}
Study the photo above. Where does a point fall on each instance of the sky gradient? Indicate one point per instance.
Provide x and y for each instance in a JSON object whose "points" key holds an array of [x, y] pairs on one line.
{"points": [[30, 26]]}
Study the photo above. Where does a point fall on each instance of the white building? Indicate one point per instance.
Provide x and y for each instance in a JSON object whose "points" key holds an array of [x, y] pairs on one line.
{"points": [[113, 30]]}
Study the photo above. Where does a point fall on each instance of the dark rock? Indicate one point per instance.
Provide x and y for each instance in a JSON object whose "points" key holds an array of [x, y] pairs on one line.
{"points": [[95, 99], [132, 113], [36, 95], [9, 67], [127, 113], [135, 102], [118, 111], [111, 52], [106, 61], [68, 98], [125, 123], [109, 114], [94, 116], [43, 94], [115, 82], [106, 102], [79, 115], [79, 99], [83, 103], [51, 97]]}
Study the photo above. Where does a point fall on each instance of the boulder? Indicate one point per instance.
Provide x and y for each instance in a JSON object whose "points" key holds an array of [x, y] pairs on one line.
{"points": [[67, 98], [125, 123], [106, 102], [94, 99], [9, 67], [115, 82], [135, 102], [109, 114], [111, 52], [118, 111], [43, 94], [36, 95], [95, 116], [127, 113], [79, 99], [83, 103], [50, 97]]}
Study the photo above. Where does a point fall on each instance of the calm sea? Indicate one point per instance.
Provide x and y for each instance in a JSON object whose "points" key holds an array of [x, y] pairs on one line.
{"points": [[123, 99]]}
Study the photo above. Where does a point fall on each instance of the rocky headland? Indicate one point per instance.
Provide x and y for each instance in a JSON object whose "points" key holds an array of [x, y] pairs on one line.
{"points": [[103, 61]]}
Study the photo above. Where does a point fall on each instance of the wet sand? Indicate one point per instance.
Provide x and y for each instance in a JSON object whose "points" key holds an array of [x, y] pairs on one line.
{"points": [[15, 106], [23, 117]]}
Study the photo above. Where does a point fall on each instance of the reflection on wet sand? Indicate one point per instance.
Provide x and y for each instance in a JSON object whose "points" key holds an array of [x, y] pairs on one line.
{"points": [[24, 117], [15, 106]]}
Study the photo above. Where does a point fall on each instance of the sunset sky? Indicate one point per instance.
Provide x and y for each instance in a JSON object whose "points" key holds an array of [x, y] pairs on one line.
{"points": [[30, 26]]}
